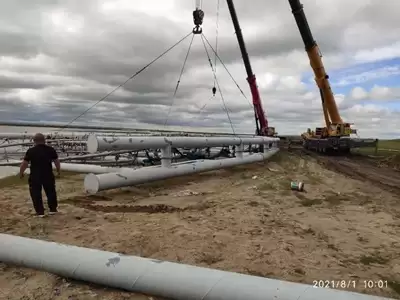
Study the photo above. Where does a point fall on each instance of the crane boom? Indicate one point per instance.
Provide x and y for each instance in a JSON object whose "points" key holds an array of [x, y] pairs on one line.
{"points": [[335, 136], [321, 77], [261, 119]]}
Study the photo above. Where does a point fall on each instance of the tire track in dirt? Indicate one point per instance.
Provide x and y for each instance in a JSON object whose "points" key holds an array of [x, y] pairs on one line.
{"points": [[358, 167], [89, 202]]}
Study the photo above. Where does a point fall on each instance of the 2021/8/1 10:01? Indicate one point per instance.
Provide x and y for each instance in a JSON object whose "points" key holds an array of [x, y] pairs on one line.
{"points": [[345, 284]]}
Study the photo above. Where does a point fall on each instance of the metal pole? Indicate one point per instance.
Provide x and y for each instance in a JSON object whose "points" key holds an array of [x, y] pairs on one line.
{"points": [[78, 168], [166, 157], [156, 277], [101, 143], [29, 136], [82, 168], [95, 183]]}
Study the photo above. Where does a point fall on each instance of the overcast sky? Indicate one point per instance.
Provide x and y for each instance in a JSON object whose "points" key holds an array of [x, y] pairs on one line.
{"points": [[59, 57]]}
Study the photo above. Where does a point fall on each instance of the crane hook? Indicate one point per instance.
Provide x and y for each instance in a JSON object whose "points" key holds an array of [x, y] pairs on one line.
{"points": [[214, 90], [198, 16]]}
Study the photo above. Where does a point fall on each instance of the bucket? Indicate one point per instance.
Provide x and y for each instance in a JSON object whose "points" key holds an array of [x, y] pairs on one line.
{"points": [[297, 186]]}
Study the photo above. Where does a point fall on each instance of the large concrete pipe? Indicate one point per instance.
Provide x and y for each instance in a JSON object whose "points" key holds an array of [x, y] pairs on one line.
{"points": [[156, 277], [95, 183]]}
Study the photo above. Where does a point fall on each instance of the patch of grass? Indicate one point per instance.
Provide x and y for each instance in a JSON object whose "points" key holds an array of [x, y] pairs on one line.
{"points": [[384, 147], [365, 201], [310, 202], [253, 203], [284, 183], [307, 202], [285, 193], [245, 175], [266, 186], [209, 258], [374, 258], [275, 184], [313, 178], [393, 284], [280, 157], [383, 152], [299, 271], [333, 247], [389, 144], [258, 273], [14, 180], [335, 199], [362, 239], [310, 231]]}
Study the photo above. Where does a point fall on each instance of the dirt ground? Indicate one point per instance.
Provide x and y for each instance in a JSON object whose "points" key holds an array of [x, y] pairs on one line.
{"points": [[246, 219]]}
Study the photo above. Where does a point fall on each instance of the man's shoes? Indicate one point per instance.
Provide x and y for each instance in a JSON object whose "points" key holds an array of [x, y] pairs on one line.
{"points": [[53, 212], [40, 216]]}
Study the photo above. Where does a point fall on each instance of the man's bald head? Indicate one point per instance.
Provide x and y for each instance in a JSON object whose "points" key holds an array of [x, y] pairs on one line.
{"points": [[39, 139]]}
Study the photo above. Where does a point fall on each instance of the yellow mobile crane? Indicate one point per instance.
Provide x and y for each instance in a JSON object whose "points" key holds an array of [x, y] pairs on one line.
{"points": [[335, 136]]}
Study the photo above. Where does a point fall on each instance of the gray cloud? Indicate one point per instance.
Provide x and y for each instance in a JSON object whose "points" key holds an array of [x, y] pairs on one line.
{"points": [[62, 73]]}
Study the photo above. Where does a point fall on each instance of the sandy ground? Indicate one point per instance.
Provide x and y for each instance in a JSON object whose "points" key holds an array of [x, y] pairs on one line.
{"points": [[245, 219]]}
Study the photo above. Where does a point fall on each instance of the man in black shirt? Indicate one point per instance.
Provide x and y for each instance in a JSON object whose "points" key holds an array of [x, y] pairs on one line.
{"points": [[41, 175]]}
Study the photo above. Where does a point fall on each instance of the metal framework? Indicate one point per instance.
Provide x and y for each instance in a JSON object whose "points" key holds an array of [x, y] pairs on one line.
{"points": [[102, 143], [95, 183]]}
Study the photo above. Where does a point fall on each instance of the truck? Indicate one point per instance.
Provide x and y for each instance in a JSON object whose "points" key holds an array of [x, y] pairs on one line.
{"points": [[335, 136]]}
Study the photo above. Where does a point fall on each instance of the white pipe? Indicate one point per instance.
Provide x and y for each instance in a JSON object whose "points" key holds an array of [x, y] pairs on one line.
{"points": [[86, 156], [68, 158], [25, 135], [157, 277], [95, 183], [55, 141], [102, 143], [81, 168], [11, 163], [137, 160], [166, 156]]}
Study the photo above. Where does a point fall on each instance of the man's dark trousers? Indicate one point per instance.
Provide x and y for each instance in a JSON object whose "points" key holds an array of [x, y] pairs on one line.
{"points": [[35, 189]]}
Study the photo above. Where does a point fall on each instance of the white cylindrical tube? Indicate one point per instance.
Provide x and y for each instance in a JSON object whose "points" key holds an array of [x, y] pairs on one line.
{"points": [[95, 183], [78, 168], [156, 277], [82, 168], [102, 143]]}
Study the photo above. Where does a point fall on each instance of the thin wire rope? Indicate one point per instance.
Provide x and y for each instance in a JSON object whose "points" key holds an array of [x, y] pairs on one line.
{"points": [[226, 69], [219, 88], [126, 81], [216, 39], [179, 81]]}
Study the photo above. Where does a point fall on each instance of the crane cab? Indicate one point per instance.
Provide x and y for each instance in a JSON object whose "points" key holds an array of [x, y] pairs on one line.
{"points": [[271, 131], [343, 129]]}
